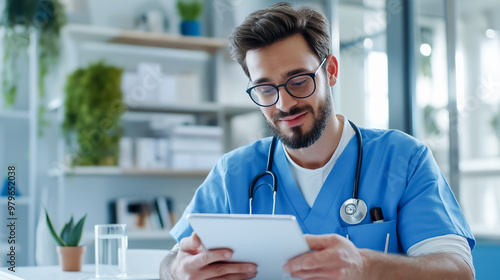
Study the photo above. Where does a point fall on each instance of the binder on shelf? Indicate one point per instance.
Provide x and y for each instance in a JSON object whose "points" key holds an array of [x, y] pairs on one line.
{"points": [[171, 212], [112, 219], [163, 212]]}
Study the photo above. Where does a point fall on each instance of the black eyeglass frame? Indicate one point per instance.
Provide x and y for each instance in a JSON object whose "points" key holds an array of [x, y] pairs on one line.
{"points": [[312, 75]]}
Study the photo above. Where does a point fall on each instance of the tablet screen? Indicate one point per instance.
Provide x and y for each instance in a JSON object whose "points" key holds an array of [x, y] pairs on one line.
{"points": [[266, 240]]}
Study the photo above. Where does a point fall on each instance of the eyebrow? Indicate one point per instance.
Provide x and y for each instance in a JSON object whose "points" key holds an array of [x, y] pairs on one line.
{"points": [[287, 75]]}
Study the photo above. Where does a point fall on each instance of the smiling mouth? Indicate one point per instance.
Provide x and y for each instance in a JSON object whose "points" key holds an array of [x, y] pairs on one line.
{"points": [[293, 120]]}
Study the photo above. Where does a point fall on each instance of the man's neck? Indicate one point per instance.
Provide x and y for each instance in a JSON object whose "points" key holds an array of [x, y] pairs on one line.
{"points": [[319, 153]]}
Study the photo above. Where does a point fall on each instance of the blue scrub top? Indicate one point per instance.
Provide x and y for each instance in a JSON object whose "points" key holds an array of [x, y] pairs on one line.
{"points": [[398, 174]]}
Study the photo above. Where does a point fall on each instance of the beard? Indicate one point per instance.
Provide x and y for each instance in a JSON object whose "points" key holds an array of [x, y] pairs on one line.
{"points": [[300, 139]]}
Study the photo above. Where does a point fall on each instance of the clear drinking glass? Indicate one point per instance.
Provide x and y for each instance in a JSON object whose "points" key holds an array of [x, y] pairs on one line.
{"points": [[110, 251]]}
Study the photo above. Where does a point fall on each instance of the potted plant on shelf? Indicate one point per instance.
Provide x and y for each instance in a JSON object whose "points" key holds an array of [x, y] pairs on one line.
{"points": [[190, 11], [69, 253], [47, 18], [93, 110]]}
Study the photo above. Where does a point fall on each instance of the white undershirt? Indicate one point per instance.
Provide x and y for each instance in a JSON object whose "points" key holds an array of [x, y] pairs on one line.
{"points": [[310, 181]]}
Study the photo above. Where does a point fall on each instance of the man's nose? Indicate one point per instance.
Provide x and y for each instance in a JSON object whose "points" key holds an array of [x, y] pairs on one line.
{"points": [[285, 100]]}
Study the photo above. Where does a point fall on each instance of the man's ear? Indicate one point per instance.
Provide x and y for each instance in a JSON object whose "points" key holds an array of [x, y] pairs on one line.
{"points": [[332, 69]]}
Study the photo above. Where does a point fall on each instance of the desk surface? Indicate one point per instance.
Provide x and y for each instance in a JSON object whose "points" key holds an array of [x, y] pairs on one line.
{"points": [[55, 273]]}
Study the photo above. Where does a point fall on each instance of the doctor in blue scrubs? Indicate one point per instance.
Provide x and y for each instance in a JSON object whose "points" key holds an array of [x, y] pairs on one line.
{"points": [[286, 53]]}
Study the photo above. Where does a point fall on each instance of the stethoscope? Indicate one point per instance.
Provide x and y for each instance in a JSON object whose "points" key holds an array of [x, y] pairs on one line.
{"points": [[352, 211]]}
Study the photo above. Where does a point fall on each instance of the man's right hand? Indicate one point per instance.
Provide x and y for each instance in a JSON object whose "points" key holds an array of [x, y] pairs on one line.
{"points": [[194, 262]]}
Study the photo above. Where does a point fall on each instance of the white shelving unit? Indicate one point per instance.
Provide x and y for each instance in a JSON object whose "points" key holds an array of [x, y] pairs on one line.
{"points": [[25, 179], [99, 41]]}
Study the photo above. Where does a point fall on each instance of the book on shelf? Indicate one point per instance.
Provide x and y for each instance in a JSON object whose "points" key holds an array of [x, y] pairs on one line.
{"points": [[154, 213], [165, 212]]}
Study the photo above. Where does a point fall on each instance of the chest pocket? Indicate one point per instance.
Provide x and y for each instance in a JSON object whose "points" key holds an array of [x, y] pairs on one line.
{"points": [[373, 236]]}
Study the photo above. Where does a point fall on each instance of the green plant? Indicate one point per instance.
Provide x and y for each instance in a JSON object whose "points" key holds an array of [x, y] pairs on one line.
{"points": [[70, 235], [93, 110], [47, 17], [189, 9]]}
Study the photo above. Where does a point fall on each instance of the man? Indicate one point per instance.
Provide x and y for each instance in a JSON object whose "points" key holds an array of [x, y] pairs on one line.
{"points": [[286, 54]]}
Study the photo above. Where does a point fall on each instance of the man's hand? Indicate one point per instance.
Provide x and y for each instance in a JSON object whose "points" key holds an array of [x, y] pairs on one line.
{"points": [[193, 262], [334, 257]]}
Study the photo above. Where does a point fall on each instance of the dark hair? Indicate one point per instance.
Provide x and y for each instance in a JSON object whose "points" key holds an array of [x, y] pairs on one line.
{"points": [[267, 26]]}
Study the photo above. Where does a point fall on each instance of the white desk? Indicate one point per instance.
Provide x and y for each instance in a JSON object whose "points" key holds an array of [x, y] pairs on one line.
{"points": [[55, 273], [46, 273]]}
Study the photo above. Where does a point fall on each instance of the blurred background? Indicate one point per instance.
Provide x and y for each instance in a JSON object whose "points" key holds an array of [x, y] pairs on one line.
{"points": [[111, 108]]}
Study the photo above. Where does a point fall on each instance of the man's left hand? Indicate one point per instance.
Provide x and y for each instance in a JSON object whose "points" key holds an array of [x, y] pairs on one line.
{"points": [[333, 257]]}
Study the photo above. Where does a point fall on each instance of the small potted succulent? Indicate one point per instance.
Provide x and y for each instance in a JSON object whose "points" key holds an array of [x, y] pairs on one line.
{"points": [[69, 253], [190, 11]]}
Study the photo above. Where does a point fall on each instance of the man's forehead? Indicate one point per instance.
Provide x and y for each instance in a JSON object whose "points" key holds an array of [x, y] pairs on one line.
{"points": [[276, 67], [280, 57]]}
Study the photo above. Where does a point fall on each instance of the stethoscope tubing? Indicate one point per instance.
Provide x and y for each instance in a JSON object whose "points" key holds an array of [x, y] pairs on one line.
{"points": [[268, 172], [352, 203], [357, 176]]}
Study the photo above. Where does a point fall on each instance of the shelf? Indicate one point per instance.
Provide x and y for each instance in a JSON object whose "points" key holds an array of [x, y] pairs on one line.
{"points": [[14, 114], [141, 38], [20, 200], [113, 170], [201, 108], [234, 110], [480, 167]]}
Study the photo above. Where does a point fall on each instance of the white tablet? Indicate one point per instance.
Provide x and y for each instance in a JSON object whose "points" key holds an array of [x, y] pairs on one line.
{"points": [[266, 240]]}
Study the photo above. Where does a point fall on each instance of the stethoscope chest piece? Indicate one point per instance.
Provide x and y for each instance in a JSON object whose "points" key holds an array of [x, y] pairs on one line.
{"points": [[353, 211]]}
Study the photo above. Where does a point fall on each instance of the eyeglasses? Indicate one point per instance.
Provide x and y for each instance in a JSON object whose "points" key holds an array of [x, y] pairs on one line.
{"points": [[300, 86]]}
